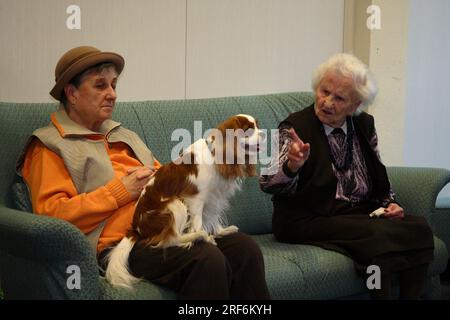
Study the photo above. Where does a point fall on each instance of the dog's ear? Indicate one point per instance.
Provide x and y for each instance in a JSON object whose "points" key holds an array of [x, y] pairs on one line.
{"points": [[215, 143]]}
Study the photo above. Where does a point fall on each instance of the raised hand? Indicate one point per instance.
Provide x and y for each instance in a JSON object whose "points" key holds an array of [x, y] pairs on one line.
{"points": [[298, 152]]}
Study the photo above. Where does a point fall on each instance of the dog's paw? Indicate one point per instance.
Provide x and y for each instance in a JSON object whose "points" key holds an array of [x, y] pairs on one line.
{"points": [[210, 239], [203, 235], [187, 240], [186, 245], [228, 230]]}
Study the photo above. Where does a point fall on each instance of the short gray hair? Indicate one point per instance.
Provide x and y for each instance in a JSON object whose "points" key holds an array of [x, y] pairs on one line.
{"points": [[348, 65]]}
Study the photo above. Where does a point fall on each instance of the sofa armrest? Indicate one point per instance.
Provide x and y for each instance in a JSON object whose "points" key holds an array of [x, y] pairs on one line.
{"points": [[418, 188], [38, 255]]}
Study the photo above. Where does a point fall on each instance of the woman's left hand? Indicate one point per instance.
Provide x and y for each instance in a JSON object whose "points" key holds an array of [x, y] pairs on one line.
{"points": [[394, 211], [142, 172]]}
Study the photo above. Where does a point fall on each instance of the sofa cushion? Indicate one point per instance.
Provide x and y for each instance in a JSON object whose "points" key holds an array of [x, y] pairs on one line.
{"points": [[317, 268], [143, 290]]}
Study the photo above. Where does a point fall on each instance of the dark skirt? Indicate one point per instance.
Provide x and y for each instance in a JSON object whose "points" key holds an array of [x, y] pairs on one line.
{"points": [[393, 245]]}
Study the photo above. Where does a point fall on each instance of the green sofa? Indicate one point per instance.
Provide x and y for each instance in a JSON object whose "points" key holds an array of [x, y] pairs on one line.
{"points": [[36, 251]]}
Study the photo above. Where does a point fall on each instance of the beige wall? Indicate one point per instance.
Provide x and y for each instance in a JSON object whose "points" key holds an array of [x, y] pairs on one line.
{"points": [[388, 61], [428, 111], [149, 34], [173, 49], [248, 47], [356, 33], [385, 51]]}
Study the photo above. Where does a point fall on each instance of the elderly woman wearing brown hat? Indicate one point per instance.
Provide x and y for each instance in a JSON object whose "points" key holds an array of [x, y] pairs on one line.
{"points": [[89, 170]]}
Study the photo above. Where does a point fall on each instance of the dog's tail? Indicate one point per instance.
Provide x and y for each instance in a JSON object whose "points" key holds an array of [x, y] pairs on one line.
{"points": [[117, 272]]}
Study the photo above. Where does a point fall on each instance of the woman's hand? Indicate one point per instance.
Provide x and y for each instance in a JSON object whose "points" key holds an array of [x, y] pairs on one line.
{"points": [[298, 152], [141, 172], [394, 211], [136, 180]]}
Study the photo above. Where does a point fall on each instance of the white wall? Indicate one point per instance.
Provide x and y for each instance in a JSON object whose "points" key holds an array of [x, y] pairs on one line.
{"points": [[388, 61], [249, 47], [410, 57], [173, 49], [427, 134], [149, 34]]}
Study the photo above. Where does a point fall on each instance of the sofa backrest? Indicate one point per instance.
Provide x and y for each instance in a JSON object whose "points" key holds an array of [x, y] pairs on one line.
{"points": [[154, 122]]}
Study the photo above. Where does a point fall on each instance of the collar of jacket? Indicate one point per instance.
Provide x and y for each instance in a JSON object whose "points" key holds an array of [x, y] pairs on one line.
{"points": [[69, 128]]}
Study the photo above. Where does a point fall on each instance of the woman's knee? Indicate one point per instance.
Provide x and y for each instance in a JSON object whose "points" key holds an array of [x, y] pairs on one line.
{"points": [[240, 247], [250, 247], [210, 257]]}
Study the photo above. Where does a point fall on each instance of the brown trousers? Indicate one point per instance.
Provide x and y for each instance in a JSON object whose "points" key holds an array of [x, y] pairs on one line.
{"points": [[234, 269]]}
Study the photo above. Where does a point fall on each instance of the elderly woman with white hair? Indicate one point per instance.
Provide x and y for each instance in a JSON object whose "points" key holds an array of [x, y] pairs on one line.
{"points": [[330, 179]]}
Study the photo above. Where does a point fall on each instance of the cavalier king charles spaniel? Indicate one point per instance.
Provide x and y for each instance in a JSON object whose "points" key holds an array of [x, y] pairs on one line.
{"points": [[185, 200]]}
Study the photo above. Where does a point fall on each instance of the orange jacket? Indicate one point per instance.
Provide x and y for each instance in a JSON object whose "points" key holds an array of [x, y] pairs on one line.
{"points": [[54, 194]]}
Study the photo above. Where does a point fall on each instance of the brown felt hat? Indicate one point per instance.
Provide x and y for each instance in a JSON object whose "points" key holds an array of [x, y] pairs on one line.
{"points": [[77, 60]]}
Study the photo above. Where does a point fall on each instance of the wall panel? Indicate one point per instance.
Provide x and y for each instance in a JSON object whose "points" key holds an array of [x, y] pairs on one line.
{"points": [[150, 34], [258, 46]]}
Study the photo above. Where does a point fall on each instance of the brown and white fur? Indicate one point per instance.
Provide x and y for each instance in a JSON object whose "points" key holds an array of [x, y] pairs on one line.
{"points": [[185, 200]]}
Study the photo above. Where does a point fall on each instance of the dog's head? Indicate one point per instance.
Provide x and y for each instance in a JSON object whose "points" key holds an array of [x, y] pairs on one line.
{"points": [[237, 142]]}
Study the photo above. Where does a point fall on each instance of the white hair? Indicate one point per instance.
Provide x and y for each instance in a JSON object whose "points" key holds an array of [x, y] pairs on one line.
{"points": [[348, 65]]}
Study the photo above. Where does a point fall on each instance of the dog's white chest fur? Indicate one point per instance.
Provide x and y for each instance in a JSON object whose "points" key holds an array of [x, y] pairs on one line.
{"points": [[214, 191]]}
